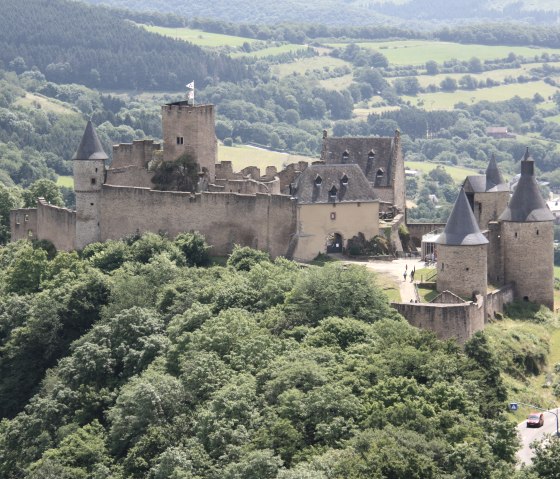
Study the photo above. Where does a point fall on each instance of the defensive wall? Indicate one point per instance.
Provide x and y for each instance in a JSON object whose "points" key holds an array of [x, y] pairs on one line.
{"points": [[46, 222], [260, 221], [417, 230], [455, 320]]}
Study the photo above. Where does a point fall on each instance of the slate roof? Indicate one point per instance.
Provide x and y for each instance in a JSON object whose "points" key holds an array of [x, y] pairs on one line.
{"points": [[315, 185], [491, 181], [526, 204], [461, 228], [90, 147], [358, 151]]}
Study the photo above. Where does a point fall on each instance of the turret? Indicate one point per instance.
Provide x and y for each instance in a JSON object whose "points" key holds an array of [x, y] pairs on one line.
{"points": [[89, 176], [462, 253], [527, 236]]}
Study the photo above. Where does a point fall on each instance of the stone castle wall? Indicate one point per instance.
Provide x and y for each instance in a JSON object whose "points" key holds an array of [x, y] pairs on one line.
{"points": [[46, 222], [496, 300], [260, 221], [529, 260], [495, 254], [130, 163], [448, 321], [417, 230], [462, 269], [399, 181], [489, 206]]}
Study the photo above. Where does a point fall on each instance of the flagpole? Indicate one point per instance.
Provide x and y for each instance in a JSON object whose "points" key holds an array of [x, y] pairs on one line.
{"points": [[190, 93]]}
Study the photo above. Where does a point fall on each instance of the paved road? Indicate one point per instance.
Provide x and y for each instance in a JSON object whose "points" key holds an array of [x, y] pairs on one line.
{"points": [[530, 434]]}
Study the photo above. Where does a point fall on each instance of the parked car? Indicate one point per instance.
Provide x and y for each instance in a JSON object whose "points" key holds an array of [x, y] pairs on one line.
{"points": [[535, 419]]}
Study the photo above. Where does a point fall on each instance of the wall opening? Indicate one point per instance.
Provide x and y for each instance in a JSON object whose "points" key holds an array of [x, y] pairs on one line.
{"points": [[334, 243], [180, 140], [525, 298], [93, 181]]}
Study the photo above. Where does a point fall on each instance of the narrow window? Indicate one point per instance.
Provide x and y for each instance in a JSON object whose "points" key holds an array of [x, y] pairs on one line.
{"points": [[96, 170], [91, 204], [17, 219], [333, 216], [467, 269], [516, 235], [26, 218], [180, 140], [537, 232], [442, 266], [93, 181]]}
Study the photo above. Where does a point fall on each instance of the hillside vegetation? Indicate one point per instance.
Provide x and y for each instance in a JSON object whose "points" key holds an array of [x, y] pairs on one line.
{"points": [[71, 42], [128, 361]]}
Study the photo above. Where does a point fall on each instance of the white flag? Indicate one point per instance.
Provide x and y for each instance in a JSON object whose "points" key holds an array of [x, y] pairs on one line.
{"points": [[191, 85]]}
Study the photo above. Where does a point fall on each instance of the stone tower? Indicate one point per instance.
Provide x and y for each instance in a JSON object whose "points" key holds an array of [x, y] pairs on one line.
{"points": [[190, 129], [89, 176], [528, 240], [462, 253], [488, 194]]}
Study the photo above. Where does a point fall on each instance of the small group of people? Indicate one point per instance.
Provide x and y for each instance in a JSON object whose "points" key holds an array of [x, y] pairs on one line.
{"points": [[412, 273]]}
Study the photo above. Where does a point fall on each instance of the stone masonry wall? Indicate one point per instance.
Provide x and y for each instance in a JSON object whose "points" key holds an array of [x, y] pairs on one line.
{"points": [[417, 230], [462, 269], [495, 254], [261, 221], [489, 206], [195, 125], [23, 223], [496, 300], [448, 321], [529, 260], [58, 225]]}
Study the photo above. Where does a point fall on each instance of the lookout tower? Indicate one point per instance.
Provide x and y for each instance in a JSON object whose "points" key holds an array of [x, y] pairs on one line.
{"points": [[527, 236], [89, 176], [461, 253], [190, 129]]}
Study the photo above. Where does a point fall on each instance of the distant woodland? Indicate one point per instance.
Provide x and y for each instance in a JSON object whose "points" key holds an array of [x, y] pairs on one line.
{"points": [[73, 43]]}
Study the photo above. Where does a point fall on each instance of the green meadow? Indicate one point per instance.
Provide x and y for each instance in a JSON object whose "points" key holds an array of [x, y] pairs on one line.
{"points": [[458, 173], [67, 181], [49, 105], [244, 156], [447, 100], [304, 65], [199, 37], [418, 52]]}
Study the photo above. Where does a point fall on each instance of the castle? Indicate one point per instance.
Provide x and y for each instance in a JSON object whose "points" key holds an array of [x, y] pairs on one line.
{"points": [[356, 189], [494, 249], [297, 213]]}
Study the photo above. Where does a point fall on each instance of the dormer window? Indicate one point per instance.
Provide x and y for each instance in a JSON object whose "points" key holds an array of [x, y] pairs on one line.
{"points": [[371, 155], [345, 156], [380, 173], [318, 180], [344, 180], [332, 192]]}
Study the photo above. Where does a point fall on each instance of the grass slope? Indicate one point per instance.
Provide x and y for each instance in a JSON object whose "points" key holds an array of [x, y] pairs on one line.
{"points": [[199, 37], [244, 156]]}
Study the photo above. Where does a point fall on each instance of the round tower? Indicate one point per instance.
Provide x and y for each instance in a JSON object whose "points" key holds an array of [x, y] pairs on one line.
{"points": [[462, 253], [528, 240], [89, 176]]}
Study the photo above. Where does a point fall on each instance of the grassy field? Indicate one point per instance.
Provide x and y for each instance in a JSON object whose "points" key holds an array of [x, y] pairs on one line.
{"points": [[67, 181], [272, 51], [458, 173], [32, 100], [339, 83], [418, 52], [199, 37], [304, 65], [363, 113], [243, 156], [554, 119], [446, 101], [496, 75]]}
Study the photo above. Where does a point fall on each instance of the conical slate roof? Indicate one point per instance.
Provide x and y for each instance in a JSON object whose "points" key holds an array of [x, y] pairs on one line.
{"points": [[461, 228], [527, 204], [90, 147], [493, 175]]}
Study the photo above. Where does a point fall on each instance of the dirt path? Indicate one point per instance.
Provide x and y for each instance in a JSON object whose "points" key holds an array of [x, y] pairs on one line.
{"points": [[396, 268]]}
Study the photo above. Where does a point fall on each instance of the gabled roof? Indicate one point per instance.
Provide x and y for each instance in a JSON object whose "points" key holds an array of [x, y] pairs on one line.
{"points": [[378, 167], [332, 184], [461, 228], [90, 147], [491, 181], [526, 204]]}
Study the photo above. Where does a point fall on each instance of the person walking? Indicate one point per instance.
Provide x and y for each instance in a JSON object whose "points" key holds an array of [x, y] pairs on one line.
{"points": [[404, 275], [412, 276]]}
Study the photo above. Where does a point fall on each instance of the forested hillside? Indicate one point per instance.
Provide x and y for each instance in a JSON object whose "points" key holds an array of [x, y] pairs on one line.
{"points": [[127, 361], [70, 42], [348, 12]]}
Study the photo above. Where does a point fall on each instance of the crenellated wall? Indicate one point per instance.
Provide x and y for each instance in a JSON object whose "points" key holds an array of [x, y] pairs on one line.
{"points": [[260, 221]]}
